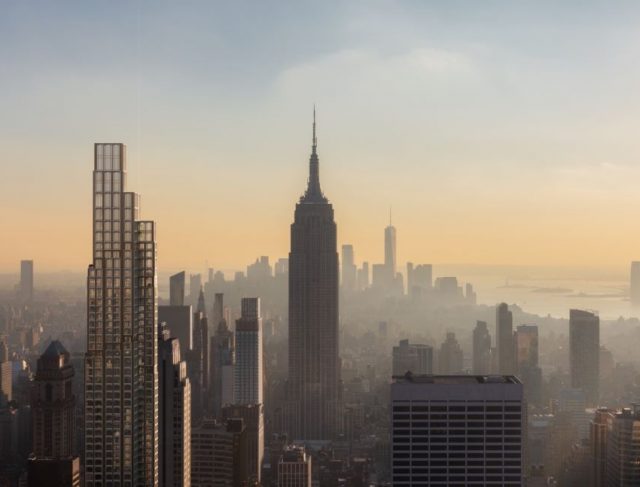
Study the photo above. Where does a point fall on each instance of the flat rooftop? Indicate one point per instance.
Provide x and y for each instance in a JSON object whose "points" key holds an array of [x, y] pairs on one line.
{"points": [[410, 378]]}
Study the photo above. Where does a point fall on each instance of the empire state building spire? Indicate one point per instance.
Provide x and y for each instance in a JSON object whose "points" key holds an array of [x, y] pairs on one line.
{"points": [[314, 193], [314, 387]]}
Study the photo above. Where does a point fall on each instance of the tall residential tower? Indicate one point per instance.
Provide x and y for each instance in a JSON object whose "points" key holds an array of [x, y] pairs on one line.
{"points": [[121, 363]]}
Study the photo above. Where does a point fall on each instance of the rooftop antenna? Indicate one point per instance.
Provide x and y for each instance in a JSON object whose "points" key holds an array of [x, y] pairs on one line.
{"points": [[315, 140]]}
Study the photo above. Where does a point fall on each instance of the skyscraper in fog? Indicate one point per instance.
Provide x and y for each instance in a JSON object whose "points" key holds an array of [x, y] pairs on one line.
{"points": [[314, 364], [390, 250], [198, 361], [584, 354], [26, 280], [349, 269], [526, 342], [54, 462], [634, 284], [481, 349], [504, 340], [222, 360], [195, 284], [526, 347], [450, 356], [121, 364], [176, 289], [248, 370], [411, 357], [457, 430]]}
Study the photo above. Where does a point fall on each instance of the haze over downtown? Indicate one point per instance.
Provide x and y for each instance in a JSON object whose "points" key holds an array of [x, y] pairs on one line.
{"points": [[501, 135]]}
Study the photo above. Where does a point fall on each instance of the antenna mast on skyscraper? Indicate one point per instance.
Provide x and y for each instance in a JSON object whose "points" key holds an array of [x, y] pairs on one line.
{"points": [[315, 140]]}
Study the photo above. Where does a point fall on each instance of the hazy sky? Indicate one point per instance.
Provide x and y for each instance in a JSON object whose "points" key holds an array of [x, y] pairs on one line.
{"points": [[499, 132]]}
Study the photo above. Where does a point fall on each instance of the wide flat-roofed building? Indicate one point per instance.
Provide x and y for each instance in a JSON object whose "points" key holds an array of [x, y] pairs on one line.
{"points": [[457, 430]]}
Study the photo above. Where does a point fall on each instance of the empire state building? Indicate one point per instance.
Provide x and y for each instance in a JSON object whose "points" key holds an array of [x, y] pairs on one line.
{"points": [[314, 364]]}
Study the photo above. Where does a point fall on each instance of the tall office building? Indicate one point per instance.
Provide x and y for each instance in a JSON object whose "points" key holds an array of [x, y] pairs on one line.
{"points": [[623, 448], [222, 360], [198, 362], [414, 358], [457, 430], [218, 310], [584, 354], [526, 341], [450, 356], [314, 383], [26, 280], [176, 289], [294, 467], [504, 340], [526, 349], [349, 269], [175, 414], [634, 284], [248, 394], [121, 363], [248, 369], [390, 251], [54, 461], [481, 349], [598, 440]]}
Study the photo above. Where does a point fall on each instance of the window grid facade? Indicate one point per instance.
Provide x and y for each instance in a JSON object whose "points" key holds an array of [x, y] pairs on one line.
{"points": [[456, 442], [121, 381]]}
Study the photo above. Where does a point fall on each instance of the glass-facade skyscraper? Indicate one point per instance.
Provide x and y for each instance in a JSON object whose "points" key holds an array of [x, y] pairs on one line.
{"points": [[121, 363]]}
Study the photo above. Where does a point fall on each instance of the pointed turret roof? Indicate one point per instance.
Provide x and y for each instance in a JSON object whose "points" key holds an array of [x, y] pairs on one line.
{"points": [[55, 349]]}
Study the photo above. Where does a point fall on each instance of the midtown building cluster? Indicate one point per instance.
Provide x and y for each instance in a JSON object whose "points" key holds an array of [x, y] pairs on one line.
{"points": [[316, 371]]}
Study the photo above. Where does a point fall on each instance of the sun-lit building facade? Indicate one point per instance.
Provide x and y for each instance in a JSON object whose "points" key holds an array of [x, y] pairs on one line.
{"points": [[121, 369]]}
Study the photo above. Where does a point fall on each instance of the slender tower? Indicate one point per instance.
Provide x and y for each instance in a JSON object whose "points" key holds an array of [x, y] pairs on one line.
{"points": [[121, 363], [390, 250], [314, 365]]}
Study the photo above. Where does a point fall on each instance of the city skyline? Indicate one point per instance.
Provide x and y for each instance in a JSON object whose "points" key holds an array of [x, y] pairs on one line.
{"points": [[451, 298], [526, 144]]}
